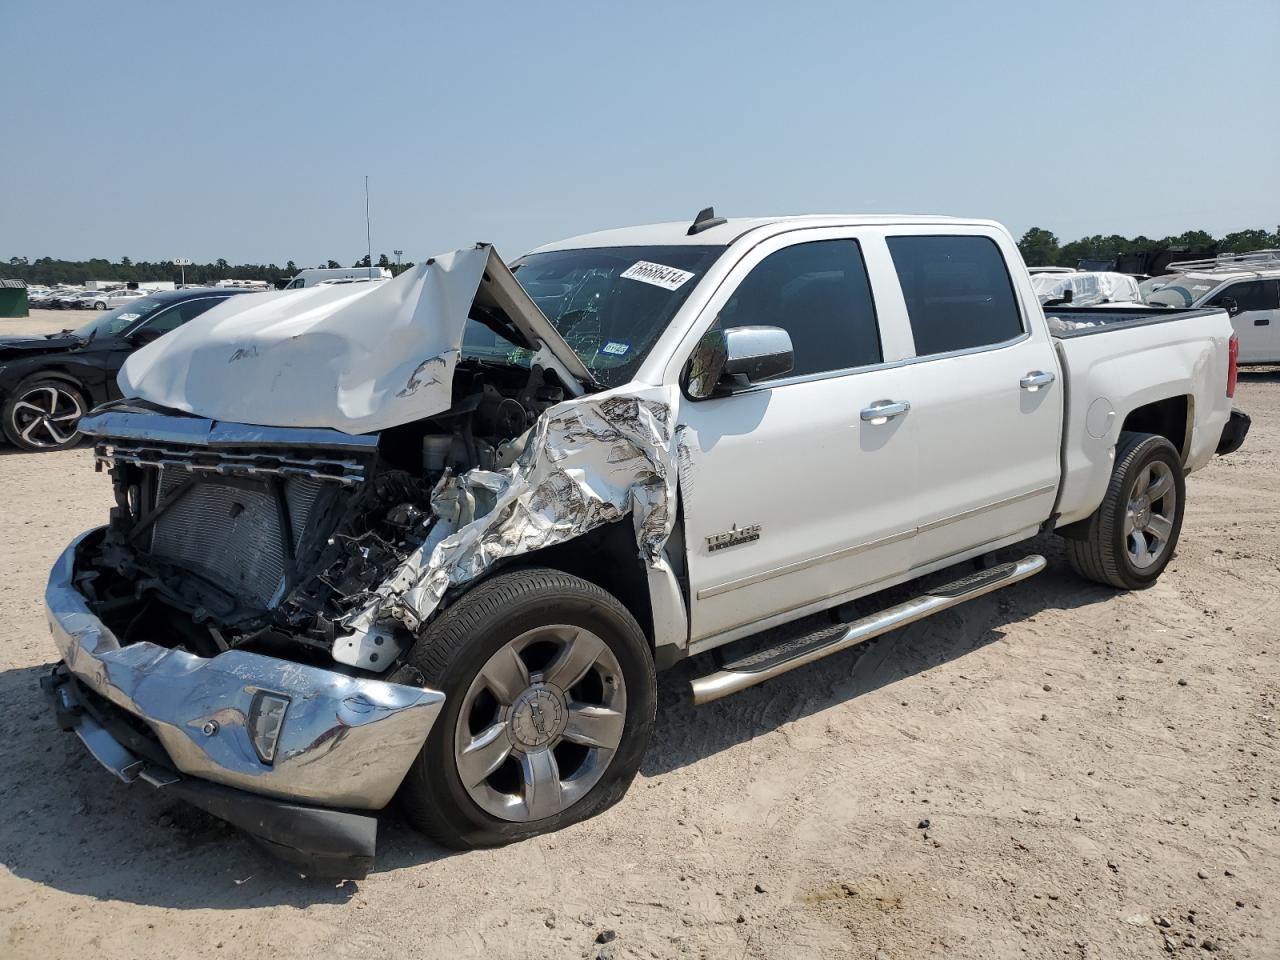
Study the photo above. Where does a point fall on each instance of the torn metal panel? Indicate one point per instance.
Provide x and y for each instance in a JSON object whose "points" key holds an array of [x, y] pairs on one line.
{"points": [[587, 462], [350, 357]]}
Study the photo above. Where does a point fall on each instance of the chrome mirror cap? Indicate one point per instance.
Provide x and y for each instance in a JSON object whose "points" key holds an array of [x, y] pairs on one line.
{"points": [[728, 360]]}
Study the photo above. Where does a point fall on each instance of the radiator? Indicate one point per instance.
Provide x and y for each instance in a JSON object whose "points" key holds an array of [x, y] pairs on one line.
{"points": [[229, 531]]}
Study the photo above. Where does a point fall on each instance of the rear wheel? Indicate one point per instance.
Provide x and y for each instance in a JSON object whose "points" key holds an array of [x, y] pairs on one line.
{"points": [[43, 414], [1131, 537], [550, 698], [99, 305]]}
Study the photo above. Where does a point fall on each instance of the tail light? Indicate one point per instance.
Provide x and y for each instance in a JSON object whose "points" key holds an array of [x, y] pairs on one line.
{"points": [[1233, 356]]}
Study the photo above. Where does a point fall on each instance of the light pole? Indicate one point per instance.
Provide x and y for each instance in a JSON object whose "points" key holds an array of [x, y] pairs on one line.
{"points": [[397, 253]]}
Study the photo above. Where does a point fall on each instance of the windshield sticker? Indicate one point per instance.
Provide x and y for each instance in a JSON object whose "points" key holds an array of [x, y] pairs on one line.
{"points": [[128, 316], [669, 278], [616, 348], [1200, 288]]}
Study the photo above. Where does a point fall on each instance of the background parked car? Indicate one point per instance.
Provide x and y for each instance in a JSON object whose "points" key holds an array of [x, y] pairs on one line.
{"points": [[1246, 285], [43, 300], [48, 383], [68, 299], [110, 299], [1085, 288]]}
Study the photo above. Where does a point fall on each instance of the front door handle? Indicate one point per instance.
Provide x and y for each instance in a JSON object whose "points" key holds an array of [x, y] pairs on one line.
{"points": [[882, 411], [1036, 379]]}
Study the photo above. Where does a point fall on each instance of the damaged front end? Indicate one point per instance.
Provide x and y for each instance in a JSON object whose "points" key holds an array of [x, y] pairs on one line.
{"points": [[236, 632], [278, 541]]}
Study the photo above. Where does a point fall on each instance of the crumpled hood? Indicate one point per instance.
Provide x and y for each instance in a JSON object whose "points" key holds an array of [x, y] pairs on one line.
{"points": [[354, 357], [18, 346]]}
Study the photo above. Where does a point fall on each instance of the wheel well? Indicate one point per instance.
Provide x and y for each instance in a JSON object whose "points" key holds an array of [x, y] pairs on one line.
{"points": [[606, 556], [56, 373], [1168, 418]]}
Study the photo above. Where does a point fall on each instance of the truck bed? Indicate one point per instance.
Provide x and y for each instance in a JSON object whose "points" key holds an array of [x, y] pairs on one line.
{"points": [[1083, 321], [1151, 356]]}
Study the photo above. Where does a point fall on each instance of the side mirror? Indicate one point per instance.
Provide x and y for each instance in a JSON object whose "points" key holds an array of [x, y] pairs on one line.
{"points": [[1231, 305], [737, 358]]}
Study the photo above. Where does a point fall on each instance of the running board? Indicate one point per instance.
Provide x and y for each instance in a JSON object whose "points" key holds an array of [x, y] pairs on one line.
{"points": [[807, 647]]}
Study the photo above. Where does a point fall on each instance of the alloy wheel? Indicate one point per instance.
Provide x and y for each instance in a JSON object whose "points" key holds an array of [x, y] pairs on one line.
{"points": [[1149, 514], [540, 723], [46, 416]]}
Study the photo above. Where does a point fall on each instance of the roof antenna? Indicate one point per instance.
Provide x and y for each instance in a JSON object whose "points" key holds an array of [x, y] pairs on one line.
{"points": [[705, 220]]}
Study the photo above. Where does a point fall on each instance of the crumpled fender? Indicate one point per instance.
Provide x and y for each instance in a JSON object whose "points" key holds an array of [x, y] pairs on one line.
{"points": [[586, 462]]}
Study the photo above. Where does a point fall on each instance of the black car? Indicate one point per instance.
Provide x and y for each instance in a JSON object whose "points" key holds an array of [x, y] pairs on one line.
{"points": [[48, 383]]}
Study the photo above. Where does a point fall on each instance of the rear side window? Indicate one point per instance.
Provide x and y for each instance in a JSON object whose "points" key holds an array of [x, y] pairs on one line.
{"points": [[1252, 295], [819, 293], [958, 292]]}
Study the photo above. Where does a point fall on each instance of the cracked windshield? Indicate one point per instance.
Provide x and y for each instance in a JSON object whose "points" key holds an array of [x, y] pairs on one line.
{"points": [[609, 303]]}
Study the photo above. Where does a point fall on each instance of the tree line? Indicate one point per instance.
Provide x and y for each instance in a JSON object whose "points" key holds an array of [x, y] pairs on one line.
{"points": [[1040, 248], [45, 271]]}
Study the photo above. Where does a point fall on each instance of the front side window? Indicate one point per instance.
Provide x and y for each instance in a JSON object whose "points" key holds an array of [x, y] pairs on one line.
{"points": [[1251, 295], [958, 292], [819, 293]]}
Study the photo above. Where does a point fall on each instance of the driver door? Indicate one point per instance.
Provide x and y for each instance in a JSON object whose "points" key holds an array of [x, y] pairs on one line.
{"points": [[792, 494]]}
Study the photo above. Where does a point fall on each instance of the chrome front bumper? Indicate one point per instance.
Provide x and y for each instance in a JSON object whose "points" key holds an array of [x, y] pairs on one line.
{"points": [[345, 742]]}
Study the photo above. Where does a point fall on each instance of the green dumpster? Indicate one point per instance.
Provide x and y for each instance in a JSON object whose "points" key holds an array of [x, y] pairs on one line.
{"points": [[13, 298]]}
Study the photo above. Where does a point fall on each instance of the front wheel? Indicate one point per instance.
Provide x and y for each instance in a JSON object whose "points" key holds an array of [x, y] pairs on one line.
{"points": [[43, 415], [1131, 537], [550, 696], [99, 305]]}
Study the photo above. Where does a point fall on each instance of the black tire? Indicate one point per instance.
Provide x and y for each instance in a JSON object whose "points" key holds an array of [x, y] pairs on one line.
{"points": [[13, 414], [458, 644], [1098, 550]]}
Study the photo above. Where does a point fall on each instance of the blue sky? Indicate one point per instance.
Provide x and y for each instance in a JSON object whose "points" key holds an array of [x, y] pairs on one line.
{"points": [[244, 130]]}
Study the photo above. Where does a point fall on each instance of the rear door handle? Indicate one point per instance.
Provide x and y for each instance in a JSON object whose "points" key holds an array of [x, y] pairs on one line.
{"points": [[1265, 321], [882, 411], [1036, 379]]}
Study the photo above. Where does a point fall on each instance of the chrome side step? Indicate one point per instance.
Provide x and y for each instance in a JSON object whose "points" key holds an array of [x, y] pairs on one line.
{"points": [[814, 645]]}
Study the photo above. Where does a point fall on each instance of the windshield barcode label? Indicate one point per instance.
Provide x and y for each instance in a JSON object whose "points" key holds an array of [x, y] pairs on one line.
{"points": [[668, 278]]}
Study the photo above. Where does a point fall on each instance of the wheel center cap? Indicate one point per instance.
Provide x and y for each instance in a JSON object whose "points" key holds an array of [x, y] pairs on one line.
{"points": [[537, 717], [1142, 513]]}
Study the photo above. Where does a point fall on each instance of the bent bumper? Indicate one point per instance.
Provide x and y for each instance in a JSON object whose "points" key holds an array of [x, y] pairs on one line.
{"points": [[320, 841], [1234, 432], [345, 742]]}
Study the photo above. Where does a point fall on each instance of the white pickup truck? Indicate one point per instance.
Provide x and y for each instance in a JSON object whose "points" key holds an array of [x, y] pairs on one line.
{"points": [[433, 538]]}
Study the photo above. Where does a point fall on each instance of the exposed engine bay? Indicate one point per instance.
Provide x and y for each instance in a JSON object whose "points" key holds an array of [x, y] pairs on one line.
{"points": [[272, 548]]}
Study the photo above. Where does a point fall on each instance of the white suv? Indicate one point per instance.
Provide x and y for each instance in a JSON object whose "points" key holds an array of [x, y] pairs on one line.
{"points": [[1246, 285]]}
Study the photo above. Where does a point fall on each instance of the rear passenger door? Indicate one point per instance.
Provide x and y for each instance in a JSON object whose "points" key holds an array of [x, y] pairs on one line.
{"points": [[985, 402], [1256, 318], [791, 496]]}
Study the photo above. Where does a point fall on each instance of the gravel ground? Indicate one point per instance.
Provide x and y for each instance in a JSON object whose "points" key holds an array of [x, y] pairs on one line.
{"points": [[1056, 770]]}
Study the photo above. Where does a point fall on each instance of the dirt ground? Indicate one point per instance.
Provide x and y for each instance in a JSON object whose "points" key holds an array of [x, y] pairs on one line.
{"points": [[1098, 772]]}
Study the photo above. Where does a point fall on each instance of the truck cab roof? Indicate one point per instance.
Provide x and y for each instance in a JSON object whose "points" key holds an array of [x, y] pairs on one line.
{"points": [[731, 229]]}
